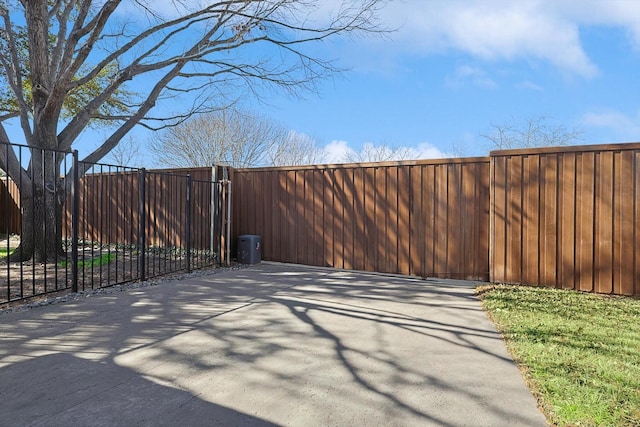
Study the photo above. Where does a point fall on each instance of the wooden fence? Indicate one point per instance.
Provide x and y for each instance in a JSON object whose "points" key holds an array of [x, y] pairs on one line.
{"points": [[9, 207], [109, 205], [567, 218], [426, 218], [564, 217]]}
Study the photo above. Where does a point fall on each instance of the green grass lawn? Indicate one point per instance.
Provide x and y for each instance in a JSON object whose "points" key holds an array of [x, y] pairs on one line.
{"points": [[579, 353], [98, 261], [4, 252]]}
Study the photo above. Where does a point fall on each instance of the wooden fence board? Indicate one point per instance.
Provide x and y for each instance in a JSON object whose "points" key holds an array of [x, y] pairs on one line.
{"points": [[498, 236], [565, 217], [416, 225], [548, 220], [586, 224], [387, 217], [604, 223], [10, 221], [567, 221], [623, 234], [359, 220], [429, 218], [636, 224]]}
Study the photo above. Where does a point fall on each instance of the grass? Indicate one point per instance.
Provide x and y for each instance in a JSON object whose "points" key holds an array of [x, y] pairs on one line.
{"points": [[4, 252], [98, 261], [579, 353]]}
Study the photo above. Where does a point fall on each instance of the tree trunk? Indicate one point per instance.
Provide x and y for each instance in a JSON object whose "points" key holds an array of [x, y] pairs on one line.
{"points": [[41, 235]]}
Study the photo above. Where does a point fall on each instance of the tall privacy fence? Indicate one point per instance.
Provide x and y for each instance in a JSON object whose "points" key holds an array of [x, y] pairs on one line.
{"points": [[564, 217], [113, 224], [422, 218], [567, 218]]}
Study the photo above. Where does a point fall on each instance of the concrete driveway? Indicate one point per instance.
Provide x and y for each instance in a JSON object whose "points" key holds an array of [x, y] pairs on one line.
{"points": [[268, 345]]}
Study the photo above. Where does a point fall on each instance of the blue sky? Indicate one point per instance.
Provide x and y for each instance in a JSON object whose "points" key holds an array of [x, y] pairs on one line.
{"points": [[456, 67]]}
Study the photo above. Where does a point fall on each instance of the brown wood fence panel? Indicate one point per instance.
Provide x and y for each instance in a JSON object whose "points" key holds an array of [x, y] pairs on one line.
{"points": [[109, 207], [564, 217], [426, 218], [567, 217], [9, 207]]}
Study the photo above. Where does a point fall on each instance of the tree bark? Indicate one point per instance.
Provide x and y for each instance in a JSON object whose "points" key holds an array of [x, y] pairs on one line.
{"points": [[41, 236]]}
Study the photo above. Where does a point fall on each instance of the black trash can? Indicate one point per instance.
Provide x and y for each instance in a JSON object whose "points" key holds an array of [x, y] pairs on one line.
{"points": [[249, 249]]}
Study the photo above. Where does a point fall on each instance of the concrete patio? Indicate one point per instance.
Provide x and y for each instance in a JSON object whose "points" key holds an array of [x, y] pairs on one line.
{"points": [[272, 344]]}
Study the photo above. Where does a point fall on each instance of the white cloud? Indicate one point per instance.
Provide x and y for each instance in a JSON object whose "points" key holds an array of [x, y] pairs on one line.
{"points": [[335, 151], [499, 30], [530, 86], [617, 13], [624, 126], [426, 150], [474, 75]]}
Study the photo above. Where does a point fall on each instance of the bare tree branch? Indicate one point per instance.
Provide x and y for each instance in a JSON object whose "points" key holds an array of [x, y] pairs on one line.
{"points": [[126, 153], [68, 65], [231, 137], [535, 132], [296, 149], [380, 153]]}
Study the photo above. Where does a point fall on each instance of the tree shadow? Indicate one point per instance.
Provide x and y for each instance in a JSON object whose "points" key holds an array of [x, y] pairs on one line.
{"points": [[281, 343]]}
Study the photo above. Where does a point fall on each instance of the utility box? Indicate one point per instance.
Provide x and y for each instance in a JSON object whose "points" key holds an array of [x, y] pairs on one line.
{"points": [[249, 249]]}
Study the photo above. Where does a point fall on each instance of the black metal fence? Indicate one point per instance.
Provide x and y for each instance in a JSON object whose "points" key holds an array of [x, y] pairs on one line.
{"points": [[106, 224]]}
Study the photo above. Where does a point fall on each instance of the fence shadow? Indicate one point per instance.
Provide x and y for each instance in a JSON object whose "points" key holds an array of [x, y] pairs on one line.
{"points": [[426, 218], [564, 216]]}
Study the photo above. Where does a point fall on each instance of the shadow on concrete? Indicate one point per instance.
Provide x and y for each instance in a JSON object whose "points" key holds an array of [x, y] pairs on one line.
{"points": [[280, 344], [33, 393]]}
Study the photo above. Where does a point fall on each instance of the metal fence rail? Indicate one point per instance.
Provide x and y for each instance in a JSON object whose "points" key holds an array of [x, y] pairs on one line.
{"points": [[116, 224], [29, 208]]}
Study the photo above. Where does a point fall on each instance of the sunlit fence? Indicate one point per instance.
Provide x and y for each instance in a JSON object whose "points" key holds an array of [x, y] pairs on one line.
{"points": [[9, 206], [104, 224], [425, 218], [566, 217]]}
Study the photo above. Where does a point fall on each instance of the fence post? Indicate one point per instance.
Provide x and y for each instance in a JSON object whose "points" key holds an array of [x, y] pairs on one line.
{"points": [[75, 198], [188, 225], [214, 203], [142, 224], [228, 237]]}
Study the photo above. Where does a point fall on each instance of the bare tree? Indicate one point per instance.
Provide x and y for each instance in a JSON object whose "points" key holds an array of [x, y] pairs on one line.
{"points": [[296, 149], [457, 150], [380, 153], [535, 132], [230, 137], [126, 153], [68, 64]]}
